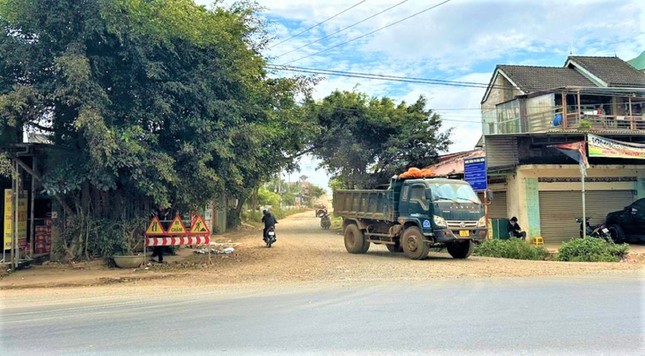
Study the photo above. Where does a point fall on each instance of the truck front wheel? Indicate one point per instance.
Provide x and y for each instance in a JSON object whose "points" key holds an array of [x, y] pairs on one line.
{"points": [[355, 241], [413, 243], [461, 249]]}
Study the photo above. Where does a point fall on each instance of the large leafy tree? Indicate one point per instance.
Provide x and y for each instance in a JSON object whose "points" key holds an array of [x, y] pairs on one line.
{"points": [[363, 141], [158, 101]]}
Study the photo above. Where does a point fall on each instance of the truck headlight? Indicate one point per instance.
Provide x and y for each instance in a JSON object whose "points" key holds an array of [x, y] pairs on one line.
{"points": [[481, 222], [439, 221]]}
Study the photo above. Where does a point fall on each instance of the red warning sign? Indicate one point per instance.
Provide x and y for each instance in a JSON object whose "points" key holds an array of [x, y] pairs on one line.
{"points": [[177, 226], [155, 228], [199, 226]]}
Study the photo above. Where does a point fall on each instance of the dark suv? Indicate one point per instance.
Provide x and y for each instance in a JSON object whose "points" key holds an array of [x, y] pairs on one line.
{"points": [[629, 223]]}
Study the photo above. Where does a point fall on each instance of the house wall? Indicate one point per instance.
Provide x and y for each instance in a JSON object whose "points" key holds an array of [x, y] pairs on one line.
{"points": [[524, 187], [502, 91], [539, 113]]}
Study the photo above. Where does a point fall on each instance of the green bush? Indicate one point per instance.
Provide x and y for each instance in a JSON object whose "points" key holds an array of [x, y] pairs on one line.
{"points": [[337, 223], [591, 250], [584, 124], [512, 248]]}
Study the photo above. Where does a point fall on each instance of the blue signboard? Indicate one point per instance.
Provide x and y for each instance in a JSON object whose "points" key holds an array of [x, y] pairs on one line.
{"points": [[475, 173]]}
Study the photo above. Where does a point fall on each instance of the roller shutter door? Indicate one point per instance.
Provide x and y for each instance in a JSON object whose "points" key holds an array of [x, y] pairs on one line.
{"points": [[558, 210], [497, 208]]}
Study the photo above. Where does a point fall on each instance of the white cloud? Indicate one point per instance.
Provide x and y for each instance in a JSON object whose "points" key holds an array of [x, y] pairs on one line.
{"points": [[459, 41]]}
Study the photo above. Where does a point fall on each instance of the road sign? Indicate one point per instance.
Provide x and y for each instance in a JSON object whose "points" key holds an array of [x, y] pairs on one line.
{"points": [[155, 228], [177, 226], [177, 241], [475, 173], [199, 226]]}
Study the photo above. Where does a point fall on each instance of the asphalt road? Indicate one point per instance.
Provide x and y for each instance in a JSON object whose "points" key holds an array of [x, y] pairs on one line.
{"points": [[601, 315]]}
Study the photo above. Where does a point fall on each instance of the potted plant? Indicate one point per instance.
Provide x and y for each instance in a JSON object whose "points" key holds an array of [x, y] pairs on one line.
{"points": [[129, 243]]}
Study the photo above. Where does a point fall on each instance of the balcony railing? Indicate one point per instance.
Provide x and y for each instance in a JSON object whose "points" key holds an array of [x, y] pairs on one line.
{"points": [[553, 120]]}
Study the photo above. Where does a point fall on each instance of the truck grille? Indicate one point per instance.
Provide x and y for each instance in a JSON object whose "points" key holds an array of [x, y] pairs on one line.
{"points": [[458, 224]]}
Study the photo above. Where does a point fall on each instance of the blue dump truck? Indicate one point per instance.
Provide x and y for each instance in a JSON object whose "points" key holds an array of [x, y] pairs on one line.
{"points": [[412, 216]]}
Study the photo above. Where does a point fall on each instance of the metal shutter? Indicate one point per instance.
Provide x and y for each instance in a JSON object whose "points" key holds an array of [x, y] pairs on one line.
{"points": [[501, 151], [497, 208], [558, 210]]}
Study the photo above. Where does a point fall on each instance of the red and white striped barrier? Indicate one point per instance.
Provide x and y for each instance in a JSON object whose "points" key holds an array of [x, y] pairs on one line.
{"points": [[175, 241]]}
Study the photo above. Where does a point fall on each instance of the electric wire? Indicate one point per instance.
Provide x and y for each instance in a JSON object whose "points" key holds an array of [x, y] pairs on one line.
{"points": [[343, 29], [383, 77], [416, 80], [318, 24], [355, 110], [369, 33]]}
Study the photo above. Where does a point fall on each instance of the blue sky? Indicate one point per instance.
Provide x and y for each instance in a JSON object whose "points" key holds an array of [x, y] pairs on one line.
{"points": [[461, 40]]}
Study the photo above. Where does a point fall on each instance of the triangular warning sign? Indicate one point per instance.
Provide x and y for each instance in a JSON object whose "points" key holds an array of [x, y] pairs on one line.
{"points": [[199, 226], [154, 227], [177, 226]]}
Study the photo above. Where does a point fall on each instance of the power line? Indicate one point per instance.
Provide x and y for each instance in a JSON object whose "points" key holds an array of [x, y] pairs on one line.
{"points": [[318, 24], [343, 29], [355, 110], [392, 78], [384, 77], [369, 33]]}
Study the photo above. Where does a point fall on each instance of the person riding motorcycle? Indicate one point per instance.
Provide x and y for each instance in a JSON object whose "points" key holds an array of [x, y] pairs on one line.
{"points": [[269, 221], [325, 221]]}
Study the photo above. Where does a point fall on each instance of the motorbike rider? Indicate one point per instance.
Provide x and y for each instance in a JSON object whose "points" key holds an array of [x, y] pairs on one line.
{"points": [[269, 221], [325, 220]]}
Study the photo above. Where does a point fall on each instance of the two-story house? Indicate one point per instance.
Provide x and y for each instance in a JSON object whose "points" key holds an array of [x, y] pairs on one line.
{"points": [[527, 109]]}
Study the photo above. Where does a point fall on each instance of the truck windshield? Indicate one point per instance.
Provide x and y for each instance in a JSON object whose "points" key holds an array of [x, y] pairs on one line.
{"points": [[457, 192]]}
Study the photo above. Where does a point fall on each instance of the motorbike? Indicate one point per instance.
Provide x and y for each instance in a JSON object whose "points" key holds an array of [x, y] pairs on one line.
{"points": [[270, 237], [598, 231], [325, 222]]}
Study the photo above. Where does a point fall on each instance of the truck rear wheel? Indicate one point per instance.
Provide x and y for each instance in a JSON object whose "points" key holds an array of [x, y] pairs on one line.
{"points": [[461, 249], [355, 241], [413, 243]]}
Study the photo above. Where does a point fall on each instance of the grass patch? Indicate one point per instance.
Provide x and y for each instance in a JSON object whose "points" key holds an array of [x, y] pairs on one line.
{"points": [[591, 250], [512, 248]]}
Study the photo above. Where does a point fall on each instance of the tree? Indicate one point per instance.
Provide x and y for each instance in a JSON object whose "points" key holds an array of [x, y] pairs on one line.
{"points": [[364, 141], [148, 103]]}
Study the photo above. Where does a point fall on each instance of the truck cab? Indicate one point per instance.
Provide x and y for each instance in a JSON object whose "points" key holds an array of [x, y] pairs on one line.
{"points": [[444, 209]]}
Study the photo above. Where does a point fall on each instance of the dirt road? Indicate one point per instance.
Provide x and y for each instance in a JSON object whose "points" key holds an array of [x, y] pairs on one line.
{"points": [[303, 253]]}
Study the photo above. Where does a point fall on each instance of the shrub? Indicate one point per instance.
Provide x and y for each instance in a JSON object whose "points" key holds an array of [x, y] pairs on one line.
{"points": [[512, 248], [337, 224], [591, 250]]}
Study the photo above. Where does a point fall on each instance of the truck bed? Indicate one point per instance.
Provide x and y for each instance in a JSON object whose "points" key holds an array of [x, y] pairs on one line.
{"points": [[365, 204]]}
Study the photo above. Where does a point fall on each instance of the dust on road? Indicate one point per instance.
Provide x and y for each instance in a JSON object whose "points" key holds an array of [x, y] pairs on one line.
{"points": [[303, 253]]}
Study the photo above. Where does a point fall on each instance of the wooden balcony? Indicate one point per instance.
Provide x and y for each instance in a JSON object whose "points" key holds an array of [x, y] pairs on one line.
{"points": [[554, 121]]}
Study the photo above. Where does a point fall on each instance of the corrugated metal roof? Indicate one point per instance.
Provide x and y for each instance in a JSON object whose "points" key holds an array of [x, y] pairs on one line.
{"points": [[638, 62]]}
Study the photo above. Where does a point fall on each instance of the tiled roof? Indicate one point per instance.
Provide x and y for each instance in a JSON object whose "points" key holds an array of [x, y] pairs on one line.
{"points": [[611, 70], [531, 79]]}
